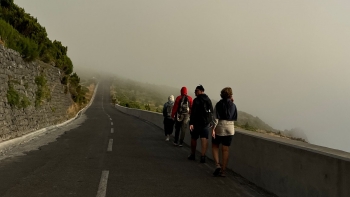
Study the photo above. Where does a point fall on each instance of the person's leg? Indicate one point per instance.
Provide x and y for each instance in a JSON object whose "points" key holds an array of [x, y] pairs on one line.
{"points": [[165, 126], [193, 146], [192, 156], [167, 136], [194, 137], [215, 150], [204, 143], [226, 142], [184, 128], [204, 134], [225, 155], [171, 127], [177, 132]]}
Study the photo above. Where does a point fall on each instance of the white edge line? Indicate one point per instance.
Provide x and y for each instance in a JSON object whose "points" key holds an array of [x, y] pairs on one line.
{"points": [[112, 130], [102, 188]]}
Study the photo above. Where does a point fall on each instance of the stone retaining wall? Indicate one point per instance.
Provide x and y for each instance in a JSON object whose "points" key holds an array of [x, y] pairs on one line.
{"points": [[18, 121]]}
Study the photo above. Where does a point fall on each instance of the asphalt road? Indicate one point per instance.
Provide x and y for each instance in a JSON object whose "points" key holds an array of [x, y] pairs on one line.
{"points": [[108, 153]]}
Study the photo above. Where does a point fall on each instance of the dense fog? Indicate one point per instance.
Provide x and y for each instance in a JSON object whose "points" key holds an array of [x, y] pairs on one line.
{"points": [[287, 61]]}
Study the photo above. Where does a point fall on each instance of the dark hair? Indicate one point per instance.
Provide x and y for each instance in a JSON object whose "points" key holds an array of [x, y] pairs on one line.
{"points": [[226, 93], [200, 87]]}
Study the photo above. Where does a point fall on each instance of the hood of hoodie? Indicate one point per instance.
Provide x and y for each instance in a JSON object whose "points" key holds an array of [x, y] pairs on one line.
{"points": [[171, 99], [183, 91], [203, 97]]}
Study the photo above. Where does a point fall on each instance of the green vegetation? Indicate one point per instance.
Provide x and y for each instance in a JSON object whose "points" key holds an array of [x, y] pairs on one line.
{"points": [[53, 109], [138, 95], [77, 91], [24, 102], [22, 33], [15, 99], [43, 92], [14, 40]]}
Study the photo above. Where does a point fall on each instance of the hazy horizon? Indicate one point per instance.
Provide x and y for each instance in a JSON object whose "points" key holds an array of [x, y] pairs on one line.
{"points": [[286, 61]]}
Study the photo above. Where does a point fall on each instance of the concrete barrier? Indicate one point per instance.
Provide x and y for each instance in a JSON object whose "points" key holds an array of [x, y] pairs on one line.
{"points": [[284, 167]]}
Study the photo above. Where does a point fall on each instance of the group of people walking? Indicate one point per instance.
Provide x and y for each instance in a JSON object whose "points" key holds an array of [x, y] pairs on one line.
{"points": [[200, 118]]}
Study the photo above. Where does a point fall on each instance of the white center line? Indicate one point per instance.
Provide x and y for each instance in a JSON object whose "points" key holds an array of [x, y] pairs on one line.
{"points": [[112, 130], [102, 188], [110, 144], [111, 123]]}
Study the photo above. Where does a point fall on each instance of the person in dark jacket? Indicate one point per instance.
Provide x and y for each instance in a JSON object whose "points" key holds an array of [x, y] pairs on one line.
{"points": [[200, 119], [168, 121], [225, 113], [181, 115]]}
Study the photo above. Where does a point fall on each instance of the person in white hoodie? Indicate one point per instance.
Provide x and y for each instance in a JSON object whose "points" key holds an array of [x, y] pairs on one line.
{"points": [[168, 121]]}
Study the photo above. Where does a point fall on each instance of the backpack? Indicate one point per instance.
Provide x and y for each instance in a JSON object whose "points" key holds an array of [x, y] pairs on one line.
{"points": [[184, 106], [207, 114], [169, 109]]}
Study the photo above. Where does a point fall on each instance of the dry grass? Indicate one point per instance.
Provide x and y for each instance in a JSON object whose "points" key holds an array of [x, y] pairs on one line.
{"points": [[75, 108], [89, 94]]}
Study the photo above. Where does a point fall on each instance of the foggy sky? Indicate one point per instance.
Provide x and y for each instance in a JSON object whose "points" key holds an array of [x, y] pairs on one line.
{"points": [[286, 61]]}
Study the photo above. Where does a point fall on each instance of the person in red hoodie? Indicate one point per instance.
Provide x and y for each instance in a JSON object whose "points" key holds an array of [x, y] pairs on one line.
{"points": [[181, 114]]}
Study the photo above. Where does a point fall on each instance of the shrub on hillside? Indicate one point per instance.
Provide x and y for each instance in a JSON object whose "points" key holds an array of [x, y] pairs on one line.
{"points": [[16, 99], [43, 92], [14, 40]]}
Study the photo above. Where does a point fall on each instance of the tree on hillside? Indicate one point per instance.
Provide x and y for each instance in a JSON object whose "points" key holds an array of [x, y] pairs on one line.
{"points": [[6, 3]]}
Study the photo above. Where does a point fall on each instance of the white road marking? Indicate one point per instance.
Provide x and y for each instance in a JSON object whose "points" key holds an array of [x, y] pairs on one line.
{"points": [[112, 130], [110, 118], [110, 144], [111, 123], [102, 188]]}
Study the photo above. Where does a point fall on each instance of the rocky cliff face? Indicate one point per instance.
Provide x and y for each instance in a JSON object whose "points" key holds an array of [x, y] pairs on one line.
{"points": [[31, 95]]}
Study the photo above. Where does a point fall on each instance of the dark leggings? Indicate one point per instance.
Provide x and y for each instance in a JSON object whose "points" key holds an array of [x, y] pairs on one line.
{"points": [[168, 126]]}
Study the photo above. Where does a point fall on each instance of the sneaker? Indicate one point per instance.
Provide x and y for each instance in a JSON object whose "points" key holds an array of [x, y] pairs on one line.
{"points": [[222, 174], [191, 157], [175, 144], [217, 171], [167, 138], [202, 159], [180, 144]]}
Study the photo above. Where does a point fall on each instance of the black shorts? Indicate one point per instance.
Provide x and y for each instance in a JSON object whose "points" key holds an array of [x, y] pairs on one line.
{"points": [[202, 132], [224, 140]]}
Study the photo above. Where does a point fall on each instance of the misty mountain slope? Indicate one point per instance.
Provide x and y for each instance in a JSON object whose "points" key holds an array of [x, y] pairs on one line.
{"points": [[137, 94], [250, 122]]}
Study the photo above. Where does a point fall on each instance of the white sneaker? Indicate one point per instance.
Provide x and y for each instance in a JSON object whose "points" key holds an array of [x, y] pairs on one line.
{"points": [[167, 138]]}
